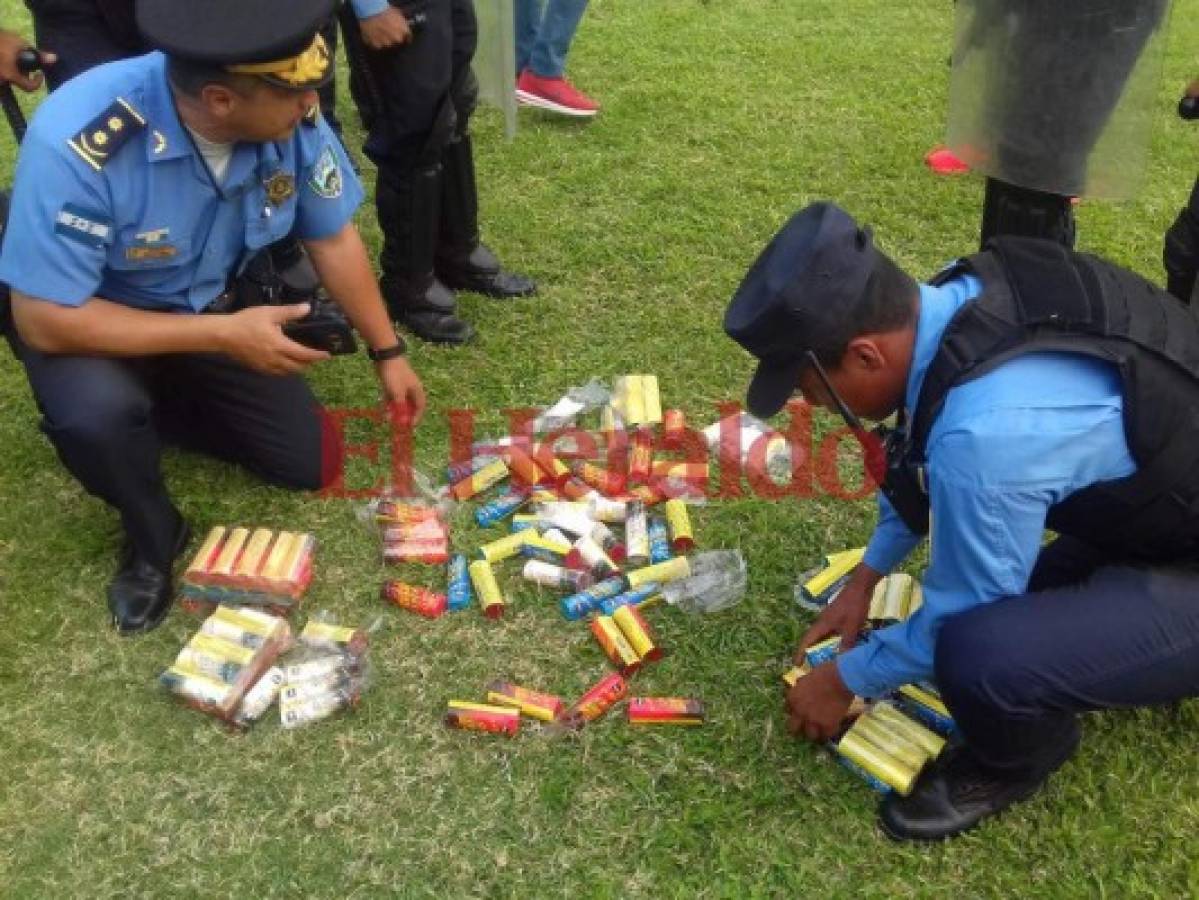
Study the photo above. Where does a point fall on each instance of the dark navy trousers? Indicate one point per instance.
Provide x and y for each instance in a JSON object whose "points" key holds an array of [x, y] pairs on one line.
{"points": [[1088, 635], [109, 418]]}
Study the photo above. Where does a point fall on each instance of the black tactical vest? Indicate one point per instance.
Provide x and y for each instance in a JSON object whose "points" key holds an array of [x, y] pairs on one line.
{"points": [[1038, 296]]}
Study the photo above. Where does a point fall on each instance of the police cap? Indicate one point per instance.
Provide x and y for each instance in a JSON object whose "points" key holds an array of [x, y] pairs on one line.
{"points": [[276, 40], [808, 281]]}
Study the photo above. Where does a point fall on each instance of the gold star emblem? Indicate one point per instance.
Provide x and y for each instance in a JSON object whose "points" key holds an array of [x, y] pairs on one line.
{"points": [[99, 138], [115, 124]]}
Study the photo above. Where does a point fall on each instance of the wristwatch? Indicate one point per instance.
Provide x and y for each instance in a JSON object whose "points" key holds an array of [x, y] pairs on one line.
{"points": [[399, 348]]}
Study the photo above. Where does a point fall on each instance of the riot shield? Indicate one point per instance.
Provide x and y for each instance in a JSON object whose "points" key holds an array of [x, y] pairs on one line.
{"points": [[1057, 95]]}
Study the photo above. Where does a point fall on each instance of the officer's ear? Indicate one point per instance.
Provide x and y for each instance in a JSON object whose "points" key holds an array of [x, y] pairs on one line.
{"points": [[863, 353], [220, 100]]}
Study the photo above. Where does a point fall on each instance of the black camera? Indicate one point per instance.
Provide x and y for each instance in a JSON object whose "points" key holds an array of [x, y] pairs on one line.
{"points": [[283, 275], [324, 328]]}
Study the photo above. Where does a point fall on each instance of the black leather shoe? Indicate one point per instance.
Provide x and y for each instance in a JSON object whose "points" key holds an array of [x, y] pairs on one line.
{"points": [[481, 273], [957, 792], [435, 326], [141, 594]]}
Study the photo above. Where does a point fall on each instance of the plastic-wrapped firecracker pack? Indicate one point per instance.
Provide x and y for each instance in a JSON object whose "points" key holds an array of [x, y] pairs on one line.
{"points": [[329, 672], [249, 567], [219, 668]]}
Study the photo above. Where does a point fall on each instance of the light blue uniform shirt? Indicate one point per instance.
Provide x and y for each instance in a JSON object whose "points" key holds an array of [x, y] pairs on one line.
{"points": [[144, 225], [1006, 447]]}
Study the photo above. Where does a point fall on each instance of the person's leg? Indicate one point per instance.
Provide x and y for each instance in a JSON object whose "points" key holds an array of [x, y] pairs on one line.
{"points": [[1180, 253], [402, 97], [80, 35], [462, 261], [328, 93], [1021, 212], [527, 22], [98, 415], [558, 26], [541, 82], [271, 425], [1015, 673]]}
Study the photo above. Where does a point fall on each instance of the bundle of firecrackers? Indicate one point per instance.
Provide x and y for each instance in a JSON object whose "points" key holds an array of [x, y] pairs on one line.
{"points": [[233, 668], [412, 532], [249, 567], [889, 740]]}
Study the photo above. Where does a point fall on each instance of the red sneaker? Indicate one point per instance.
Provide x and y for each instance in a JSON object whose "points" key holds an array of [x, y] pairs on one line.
{"points": [[555, 94], [943, 162]]}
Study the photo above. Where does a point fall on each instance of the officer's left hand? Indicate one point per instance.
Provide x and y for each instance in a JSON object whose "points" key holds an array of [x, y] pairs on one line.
{"points": [[817, 705], [403, 388], [10, 47]]}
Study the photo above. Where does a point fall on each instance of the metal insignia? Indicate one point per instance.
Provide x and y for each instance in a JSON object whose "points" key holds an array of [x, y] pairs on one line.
{"points": [[279, 187]]}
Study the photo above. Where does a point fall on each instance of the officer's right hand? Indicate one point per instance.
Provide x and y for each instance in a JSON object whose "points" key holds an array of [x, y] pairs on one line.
{"points": [[255, 338], [11, 46], [845, 616], [387, 29]]}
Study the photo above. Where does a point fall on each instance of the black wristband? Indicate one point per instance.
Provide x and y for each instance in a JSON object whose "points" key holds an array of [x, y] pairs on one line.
{"points": [[399, 348]]}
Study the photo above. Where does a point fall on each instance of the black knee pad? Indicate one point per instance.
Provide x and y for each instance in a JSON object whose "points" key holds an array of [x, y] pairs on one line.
{"points": [[1021, 212]]}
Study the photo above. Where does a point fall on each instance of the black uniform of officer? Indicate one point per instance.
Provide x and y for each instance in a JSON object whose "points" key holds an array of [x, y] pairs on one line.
{"points": [[416, 99]]}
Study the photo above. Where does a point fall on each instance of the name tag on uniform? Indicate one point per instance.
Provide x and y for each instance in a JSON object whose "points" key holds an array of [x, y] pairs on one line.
{"points": [[156, 251], [83, 225]]}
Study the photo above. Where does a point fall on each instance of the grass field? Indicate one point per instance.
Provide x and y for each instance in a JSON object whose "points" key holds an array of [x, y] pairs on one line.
{"points": [[719, 120]]}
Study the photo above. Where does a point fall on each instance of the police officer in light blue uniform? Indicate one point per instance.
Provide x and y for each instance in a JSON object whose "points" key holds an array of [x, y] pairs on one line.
{"points": [[141, 188], [1038, 388]]}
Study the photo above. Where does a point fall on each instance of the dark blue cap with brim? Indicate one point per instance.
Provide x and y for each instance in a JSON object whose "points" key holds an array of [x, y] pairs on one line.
{"points": [[806, 282]]}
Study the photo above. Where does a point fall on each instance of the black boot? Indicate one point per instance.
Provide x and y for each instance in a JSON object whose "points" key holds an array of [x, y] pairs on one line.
{"points": [[1023, 212], [409, 206], [141, 593], [957, 792], [463, 261]]}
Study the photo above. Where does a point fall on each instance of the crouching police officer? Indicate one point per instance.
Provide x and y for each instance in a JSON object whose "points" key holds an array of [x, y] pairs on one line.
{"points": [[142, 186], [1037, 387]]}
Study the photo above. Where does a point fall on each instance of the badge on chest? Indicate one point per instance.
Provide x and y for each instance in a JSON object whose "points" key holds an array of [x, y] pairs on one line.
{"points": [[279, 187]]}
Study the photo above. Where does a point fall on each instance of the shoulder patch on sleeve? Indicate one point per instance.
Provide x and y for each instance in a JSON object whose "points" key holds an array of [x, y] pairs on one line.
{"points": [[325, 179], [97, 141], [83, 225]]}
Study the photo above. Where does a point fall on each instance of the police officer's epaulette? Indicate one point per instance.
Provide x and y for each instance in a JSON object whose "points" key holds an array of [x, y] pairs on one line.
{"points": [[104, 135]]}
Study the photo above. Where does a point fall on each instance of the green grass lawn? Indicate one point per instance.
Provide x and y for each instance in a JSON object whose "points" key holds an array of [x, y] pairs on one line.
{"points": [[718, 121]]}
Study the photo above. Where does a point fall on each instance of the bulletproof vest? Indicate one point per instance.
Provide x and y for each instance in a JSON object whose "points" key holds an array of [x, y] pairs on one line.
{"points": [[1038, 296]]}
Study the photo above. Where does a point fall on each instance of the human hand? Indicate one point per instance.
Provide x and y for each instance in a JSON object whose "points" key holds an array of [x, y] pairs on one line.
{"points": [[403, 389], [387, 29], [254, 337], [845, 616], [11, 46], [818, 703]]}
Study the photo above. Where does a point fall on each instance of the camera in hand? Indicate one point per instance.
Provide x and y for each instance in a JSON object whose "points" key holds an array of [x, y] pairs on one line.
{"points": [[324, 328], [283, 275]]}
